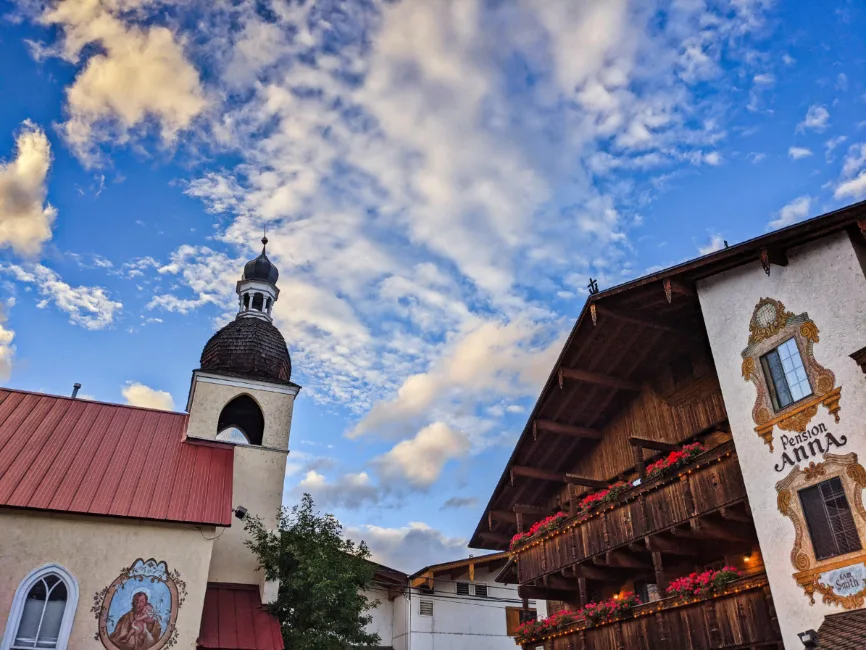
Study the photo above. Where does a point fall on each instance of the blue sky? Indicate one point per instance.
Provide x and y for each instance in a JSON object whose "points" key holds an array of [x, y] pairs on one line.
{"points": [[439, 181]]}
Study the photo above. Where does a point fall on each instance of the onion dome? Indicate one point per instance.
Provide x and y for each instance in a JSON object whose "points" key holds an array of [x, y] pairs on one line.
{"points": [[252, 348], [261, 268]]}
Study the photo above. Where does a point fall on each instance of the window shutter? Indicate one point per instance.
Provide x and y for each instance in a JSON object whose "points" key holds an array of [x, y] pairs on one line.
{"points": [[462, 588], [481, 590], [512, 620], [819, 525], [426, 608], [839, 515]]}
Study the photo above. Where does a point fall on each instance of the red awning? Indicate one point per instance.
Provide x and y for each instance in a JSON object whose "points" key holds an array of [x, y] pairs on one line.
{"points": [[234, 619]]}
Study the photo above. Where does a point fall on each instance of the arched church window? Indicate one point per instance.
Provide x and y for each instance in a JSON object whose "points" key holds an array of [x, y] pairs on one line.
{"points": [[246, 301], [270, 302], [42, 610], [241, 418], [258, 302]]}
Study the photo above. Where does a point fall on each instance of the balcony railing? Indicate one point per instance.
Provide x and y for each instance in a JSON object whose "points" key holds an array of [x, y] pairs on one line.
{"points": [[740, 617], [712, 481]]}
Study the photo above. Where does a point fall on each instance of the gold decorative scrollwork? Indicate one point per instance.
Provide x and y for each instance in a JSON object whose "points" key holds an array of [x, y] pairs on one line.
{"points": [[748, 368], [762, 327], [770, 326], [814, 471], [809, 331], [855, 601]]}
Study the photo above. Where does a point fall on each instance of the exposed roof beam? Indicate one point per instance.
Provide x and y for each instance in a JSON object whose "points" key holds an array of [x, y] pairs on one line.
{"points": [[495, 538], [564, 429], [652, 444], [555, 477], [597, 378], [543, 593], [527, 509], [635, 319], [504, 515], [669, 546]]}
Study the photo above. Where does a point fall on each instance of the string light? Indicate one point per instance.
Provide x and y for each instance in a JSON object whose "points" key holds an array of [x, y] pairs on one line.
{"points": [[751, 584]]}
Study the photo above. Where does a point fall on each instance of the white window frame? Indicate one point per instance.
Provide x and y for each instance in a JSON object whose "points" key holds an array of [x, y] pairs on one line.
{"points": [[475, 589], [20, 598]]}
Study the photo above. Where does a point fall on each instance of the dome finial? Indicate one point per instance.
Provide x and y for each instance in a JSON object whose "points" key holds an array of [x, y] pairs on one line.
{"points": [[264, 238]]}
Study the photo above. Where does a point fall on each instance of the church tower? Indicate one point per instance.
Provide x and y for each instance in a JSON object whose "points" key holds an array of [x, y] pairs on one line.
{"points": [[242, 394]]}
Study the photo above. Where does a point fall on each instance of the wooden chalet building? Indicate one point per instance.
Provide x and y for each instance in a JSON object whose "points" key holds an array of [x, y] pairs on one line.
{"points": [[705, 352]]}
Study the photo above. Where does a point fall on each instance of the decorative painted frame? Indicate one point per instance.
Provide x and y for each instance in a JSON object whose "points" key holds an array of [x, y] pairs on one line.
{"points": [[142, 571], [770, 326], [809, 569]]}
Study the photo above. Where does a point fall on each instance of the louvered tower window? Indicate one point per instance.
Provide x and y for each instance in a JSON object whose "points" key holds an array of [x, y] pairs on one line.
{"points": [[828, 516]]}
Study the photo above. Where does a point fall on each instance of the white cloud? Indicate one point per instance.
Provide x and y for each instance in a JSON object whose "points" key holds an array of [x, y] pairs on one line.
{"points": [[817, 119], [852, 184], [25, 215], [855, 160], [137, 394], [842, 81], [134, 73], [716, 243], [492, 357], [756, 157], [796, 153], [792, 212], [420, 460], [409, 548], [350, 491], [854, 188], [7, 349], [89, 307], [831, 145], [713, 158]]}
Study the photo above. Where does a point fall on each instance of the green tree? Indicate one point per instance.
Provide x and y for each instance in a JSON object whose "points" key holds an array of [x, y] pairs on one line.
{"points": [[320, 605]]}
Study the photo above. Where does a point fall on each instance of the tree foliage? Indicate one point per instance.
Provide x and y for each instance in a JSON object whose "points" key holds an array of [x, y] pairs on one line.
{"points": [[320, 605]]}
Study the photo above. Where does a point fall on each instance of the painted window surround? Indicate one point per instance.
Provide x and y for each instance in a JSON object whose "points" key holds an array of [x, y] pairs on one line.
{"points": [[24, 587]]}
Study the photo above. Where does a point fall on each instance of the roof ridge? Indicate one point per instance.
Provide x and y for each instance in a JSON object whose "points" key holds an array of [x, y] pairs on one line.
{"points": [[22, 391]]}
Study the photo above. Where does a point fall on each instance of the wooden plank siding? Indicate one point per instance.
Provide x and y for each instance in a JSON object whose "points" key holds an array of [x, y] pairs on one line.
{"points": [[741, 619], [659, 504], [649, 416]]}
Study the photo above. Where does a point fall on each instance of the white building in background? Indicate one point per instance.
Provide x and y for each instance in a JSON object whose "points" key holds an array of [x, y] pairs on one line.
{"points": [[451, 606]]}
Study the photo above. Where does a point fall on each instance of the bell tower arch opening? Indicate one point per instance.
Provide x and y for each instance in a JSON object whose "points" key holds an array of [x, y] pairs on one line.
{"points": [[241, 415]]}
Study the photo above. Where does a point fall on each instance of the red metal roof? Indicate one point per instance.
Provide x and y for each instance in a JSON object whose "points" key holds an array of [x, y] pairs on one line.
{"points": [[234, 619], [74, 455]]}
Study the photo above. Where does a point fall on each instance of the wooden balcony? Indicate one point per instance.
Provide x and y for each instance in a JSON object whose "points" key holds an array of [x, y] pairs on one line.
{"points": [[711, 483], [742, 617]]}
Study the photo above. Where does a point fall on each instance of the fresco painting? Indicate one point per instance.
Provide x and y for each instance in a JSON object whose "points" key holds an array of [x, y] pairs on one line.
{"points": [[138, 611]]}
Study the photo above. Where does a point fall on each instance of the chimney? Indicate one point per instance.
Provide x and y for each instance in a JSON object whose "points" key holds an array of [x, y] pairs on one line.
{"points": [[75, 388]]}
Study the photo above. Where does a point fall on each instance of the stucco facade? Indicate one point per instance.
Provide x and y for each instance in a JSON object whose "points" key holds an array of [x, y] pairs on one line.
{"points": [[823, 292], [94, 551], [458, 621], [257, 486]]}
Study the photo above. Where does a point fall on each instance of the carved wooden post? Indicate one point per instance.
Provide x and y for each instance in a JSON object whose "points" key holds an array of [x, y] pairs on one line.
{"points": [[519, 522], [712, 624], [774, 621], [637, 450], [605, 535], [570, 488], [581, 585], [687, 495], [661, 579], [644, 518]]}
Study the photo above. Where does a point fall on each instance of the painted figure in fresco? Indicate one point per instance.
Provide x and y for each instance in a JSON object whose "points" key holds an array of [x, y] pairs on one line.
{"points": [[139, 628]]}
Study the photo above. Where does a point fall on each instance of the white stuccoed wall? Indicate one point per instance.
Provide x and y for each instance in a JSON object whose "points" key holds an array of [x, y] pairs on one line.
{"points": [[826, 280], [461, 622]]}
